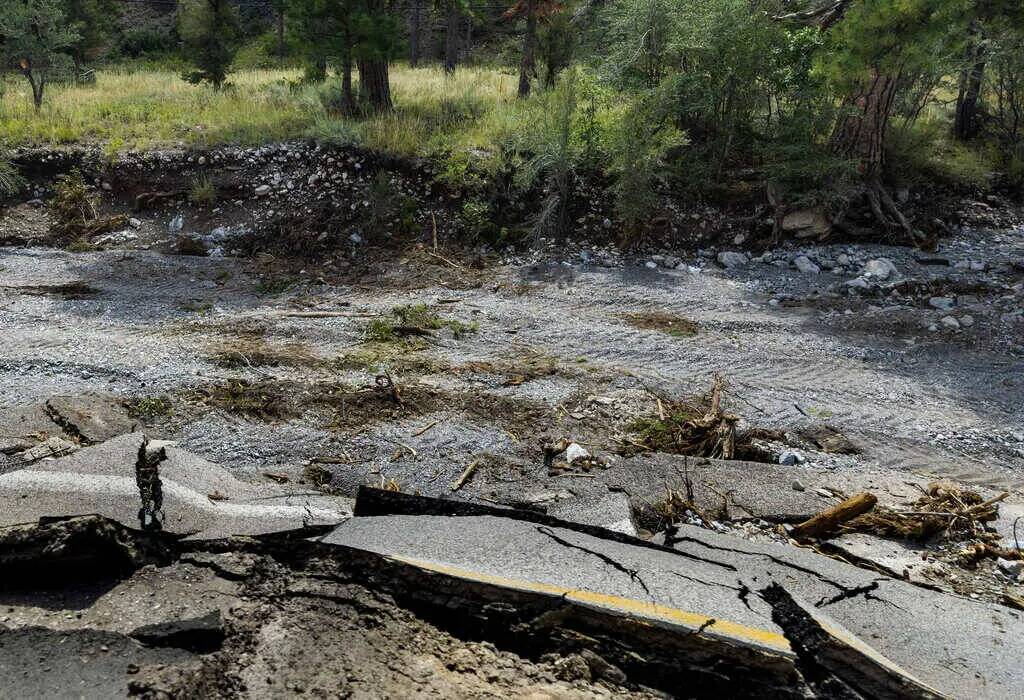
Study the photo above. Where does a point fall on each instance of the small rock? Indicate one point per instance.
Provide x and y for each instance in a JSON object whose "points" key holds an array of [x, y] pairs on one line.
{"points": [[651, 265], [177, 223], [1011, 567], [730, 259], [261, 190], [789, 458], [967, 321], [804, 264], [134, 223], [797, 486], [950, 322], [574, 452], [880, 269], [941, 303]]}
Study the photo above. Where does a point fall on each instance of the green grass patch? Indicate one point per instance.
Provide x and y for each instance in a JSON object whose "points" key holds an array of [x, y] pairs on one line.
{"points": [[149, 407]]}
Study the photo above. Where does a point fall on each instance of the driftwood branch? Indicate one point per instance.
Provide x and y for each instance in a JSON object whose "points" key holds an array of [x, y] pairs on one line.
{"points": [[829, 520]]}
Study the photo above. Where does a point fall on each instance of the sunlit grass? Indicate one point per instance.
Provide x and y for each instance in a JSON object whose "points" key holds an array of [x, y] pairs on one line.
{"points": [[143, 109]]}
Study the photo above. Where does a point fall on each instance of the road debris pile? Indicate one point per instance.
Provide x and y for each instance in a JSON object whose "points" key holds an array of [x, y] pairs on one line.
{"points": [[700, 427], [496, 599]]}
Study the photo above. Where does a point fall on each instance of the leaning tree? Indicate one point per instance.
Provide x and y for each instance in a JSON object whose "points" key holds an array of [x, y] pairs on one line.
{"points": [[870, 46]]}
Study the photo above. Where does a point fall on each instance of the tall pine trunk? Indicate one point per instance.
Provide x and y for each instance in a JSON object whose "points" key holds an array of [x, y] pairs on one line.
{"points": [[349, 102], [859, 136], [965, 123], [280, 34], [374, 83], [415, 30], [527, 65], [451, 37]]}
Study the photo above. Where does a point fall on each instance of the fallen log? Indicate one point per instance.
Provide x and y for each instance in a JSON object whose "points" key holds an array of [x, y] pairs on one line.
{"points": [[829, 520]]}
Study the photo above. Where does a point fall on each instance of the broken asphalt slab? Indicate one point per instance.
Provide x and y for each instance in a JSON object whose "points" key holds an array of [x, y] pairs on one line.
{"points": [[193, 497], [710, 585], [90, 418]]}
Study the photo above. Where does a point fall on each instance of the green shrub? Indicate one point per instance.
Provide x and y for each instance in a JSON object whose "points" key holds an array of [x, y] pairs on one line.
{"points": [[203, 191], [10, 179]]}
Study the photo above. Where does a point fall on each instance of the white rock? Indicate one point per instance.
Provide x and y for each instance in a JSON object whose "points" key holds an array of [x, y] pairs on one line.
{"points": [[967, 321], [651, 265], [134, 223], [941, 303], [261, 190], [950, 322], [177, 223], [574, 452]]}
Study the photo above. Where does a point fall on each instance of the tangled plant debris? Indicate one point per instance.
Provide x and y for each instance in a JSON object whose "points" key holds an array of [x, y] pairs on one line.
{"points": [[698, 427]]}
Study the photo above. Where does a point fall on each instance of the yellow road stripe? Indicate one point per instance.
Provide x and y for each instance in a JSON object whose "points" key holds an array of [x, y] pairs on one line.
{"points": [[724, 628]]}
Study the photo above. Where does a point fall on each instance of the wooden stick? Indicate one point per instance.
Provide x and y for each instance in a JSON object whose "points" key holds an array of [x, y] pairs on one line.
{"points": [[466, 475], [325, 314], [829, 519], [444, 259], [423, 430]]}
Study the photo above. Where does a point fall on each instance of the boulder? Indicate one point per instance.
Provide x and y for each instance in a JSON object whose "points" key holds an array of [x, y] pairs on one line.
{"points": [[806, 223], [880, 269], [730, 259], [804, 264]]}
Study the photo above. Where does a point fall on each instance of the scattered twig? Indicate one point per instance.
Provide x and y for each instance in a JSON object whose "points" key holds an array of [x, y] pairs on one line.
{"points": [[413, 452], [445, 260], [466, 475], [421, 431], [324, 314]]}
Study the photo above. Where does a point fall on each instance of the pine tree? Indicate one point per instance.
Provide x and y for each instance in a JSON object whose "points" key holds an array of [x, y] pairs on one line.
{"points": [[211, 32], [34, 39]]}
